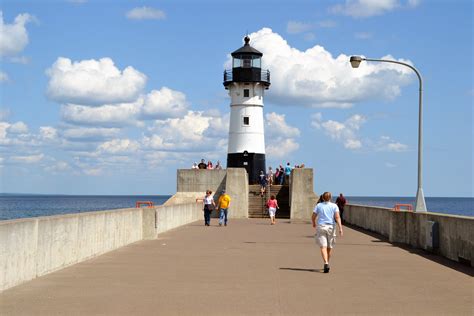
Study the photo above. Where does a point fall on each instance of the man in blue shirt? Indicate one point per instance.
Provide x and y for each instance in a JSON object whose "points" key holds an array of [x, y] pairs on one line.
{"points": [[327, 214]]}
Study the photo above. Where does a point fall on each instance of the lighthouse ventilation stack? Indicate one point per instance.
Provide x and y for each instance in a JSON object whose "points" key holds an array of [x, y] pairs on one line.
{"points": [[246, 83]]}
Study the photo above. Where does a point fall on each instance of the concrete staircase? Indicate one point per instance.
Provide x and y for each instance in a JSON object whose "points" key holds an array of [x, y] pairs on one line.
{"points": [[257, 208]]}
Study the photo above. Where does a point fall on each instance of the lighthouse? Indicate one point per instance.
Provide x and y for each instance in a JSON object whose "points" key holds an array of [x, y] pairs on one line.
{"points": [[246, 83]]}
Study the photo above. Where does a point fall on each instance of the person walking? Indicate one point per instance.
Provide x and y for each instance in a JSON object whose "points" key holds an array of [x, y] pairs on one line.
{"points": [[223, 205], [341, 202], [209, 205], [272, 205], [327, 215], [263, 182]]}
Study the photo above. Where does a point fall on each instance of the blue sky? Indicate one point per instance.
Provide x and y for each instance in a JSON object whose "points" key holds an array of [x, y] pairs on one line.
{"points": [[111, 97]]}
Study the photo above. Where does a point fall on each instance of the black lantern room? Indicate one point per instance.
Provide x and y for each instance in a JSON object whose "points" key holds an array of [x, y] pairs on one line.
{"points": [[247, 66]]}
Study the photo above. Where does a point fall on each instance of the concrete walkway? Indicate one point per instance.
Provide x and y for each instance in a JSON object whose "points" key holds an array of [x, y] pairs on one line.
{"points": [[249, 268]]}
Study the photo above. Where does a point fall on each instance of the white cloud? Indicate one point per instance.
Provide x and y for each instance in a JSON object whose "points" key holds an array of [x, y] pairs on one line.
{"points": [[89, 133], [164, 103], [93, 82], [119, 146], [186, 133], [105, 115], [146, 13], [18, 128], [390, 165], [368, 8], [14, 37], [275, 125], [385, 143], [295, 27], [58, 167], [280, 137], [345, 132], [3, 77], [315, 78], [281, 147], [28, 159], [48, 133]]}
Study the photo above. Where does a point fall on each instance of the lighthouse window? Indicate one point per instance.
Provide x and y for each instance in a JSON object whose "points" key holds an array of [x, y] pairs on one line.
{"points": [[246, 93], [257, 63], [236, 63], [246, 120], [246, 63]]}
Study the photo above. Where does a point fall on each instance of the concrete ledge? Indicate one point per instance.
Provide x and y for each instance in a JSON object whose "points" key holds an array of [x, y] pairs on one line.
{"points": [[302, 197], [34, 247], [197, 180], [456, 233]]}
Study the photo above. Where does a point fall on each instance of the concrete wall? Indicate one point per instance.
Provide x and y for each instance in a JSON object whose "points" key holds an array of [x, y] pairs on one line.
{"points": [[197, 180], [172, 216], [302, 197], [33, 247], [237, 187], [456, 233]]}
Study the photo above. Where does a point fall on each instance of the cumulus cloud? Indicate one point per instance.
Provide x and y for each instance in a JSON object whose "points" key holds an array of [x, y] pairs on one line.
{"points": [[146, 13], [164, 103], [93, 82], [281, 147], [106, 115], [89, 133], [344, 132], [48, 133], [368, 8], [18, 128], [275, 125], [315, 78], [280, 136], [347, 133], [385, 143], [186, 133], [29, 159], [119, 146], [14, 37], [58, 167]]}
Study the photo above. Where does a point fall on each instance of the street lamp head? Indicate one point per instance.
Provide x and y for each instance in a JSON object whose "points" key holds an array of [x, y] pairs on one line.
{"points": [[355, 61]]}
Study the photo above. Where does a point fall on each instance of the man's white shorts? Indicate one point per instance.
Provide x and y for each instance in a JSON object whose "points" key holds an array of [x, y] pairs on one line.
{"points": [[325, 236]]}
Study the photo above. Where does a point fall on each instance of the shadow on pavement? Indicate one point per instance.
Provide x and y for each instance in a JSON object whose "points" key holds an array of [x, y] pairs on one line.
{"points": [[303, 270], [460, 267]]}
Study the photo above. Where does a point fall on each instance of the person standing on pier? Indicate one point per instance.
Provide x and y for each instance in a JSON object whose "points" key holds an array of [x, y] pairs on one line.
{"points": [[327, 214], [222, 206], [341, 202]]}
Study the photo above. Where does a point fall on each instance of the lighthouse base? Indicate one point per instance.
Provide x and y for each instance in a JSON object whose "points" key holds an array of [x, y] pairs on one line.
{"points": [[252, 162]]}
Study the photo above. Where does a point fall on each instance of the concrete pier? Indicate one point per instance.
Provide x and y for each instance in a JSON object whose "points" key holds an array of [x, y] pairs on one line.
{"points": [[250, 268]]}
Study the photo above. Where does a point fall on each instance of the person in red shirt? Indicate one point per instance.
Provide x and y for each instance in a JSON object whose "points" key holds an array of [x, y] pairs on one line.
{"points": [[272, 205]]}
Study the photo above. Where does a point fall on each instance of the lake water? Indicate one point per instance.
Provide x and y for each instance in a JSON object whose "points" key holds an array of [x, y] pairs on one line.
{"points": [[21, 206]]}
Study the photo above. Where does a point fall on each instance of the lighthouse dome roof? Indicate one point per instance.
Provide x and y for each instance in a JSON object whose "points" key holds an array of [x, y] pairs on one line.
{"points": [[246, 49]]}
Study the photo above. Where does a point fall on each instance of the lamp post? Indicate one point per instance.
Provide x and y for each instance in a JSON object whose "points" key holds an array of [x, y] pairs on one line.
{"points": [[420, 205]]}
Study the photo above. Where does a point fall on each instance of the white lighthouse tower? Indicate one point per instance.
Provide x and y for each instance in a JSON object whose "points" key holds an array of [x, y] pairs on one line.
{"points": [[246, 83]]}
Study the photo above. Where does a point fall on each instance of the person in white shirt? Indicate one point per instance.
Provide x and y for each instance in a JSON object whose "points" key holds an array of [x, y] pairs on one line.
{"points": [[327, 215], [209, 205]]}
